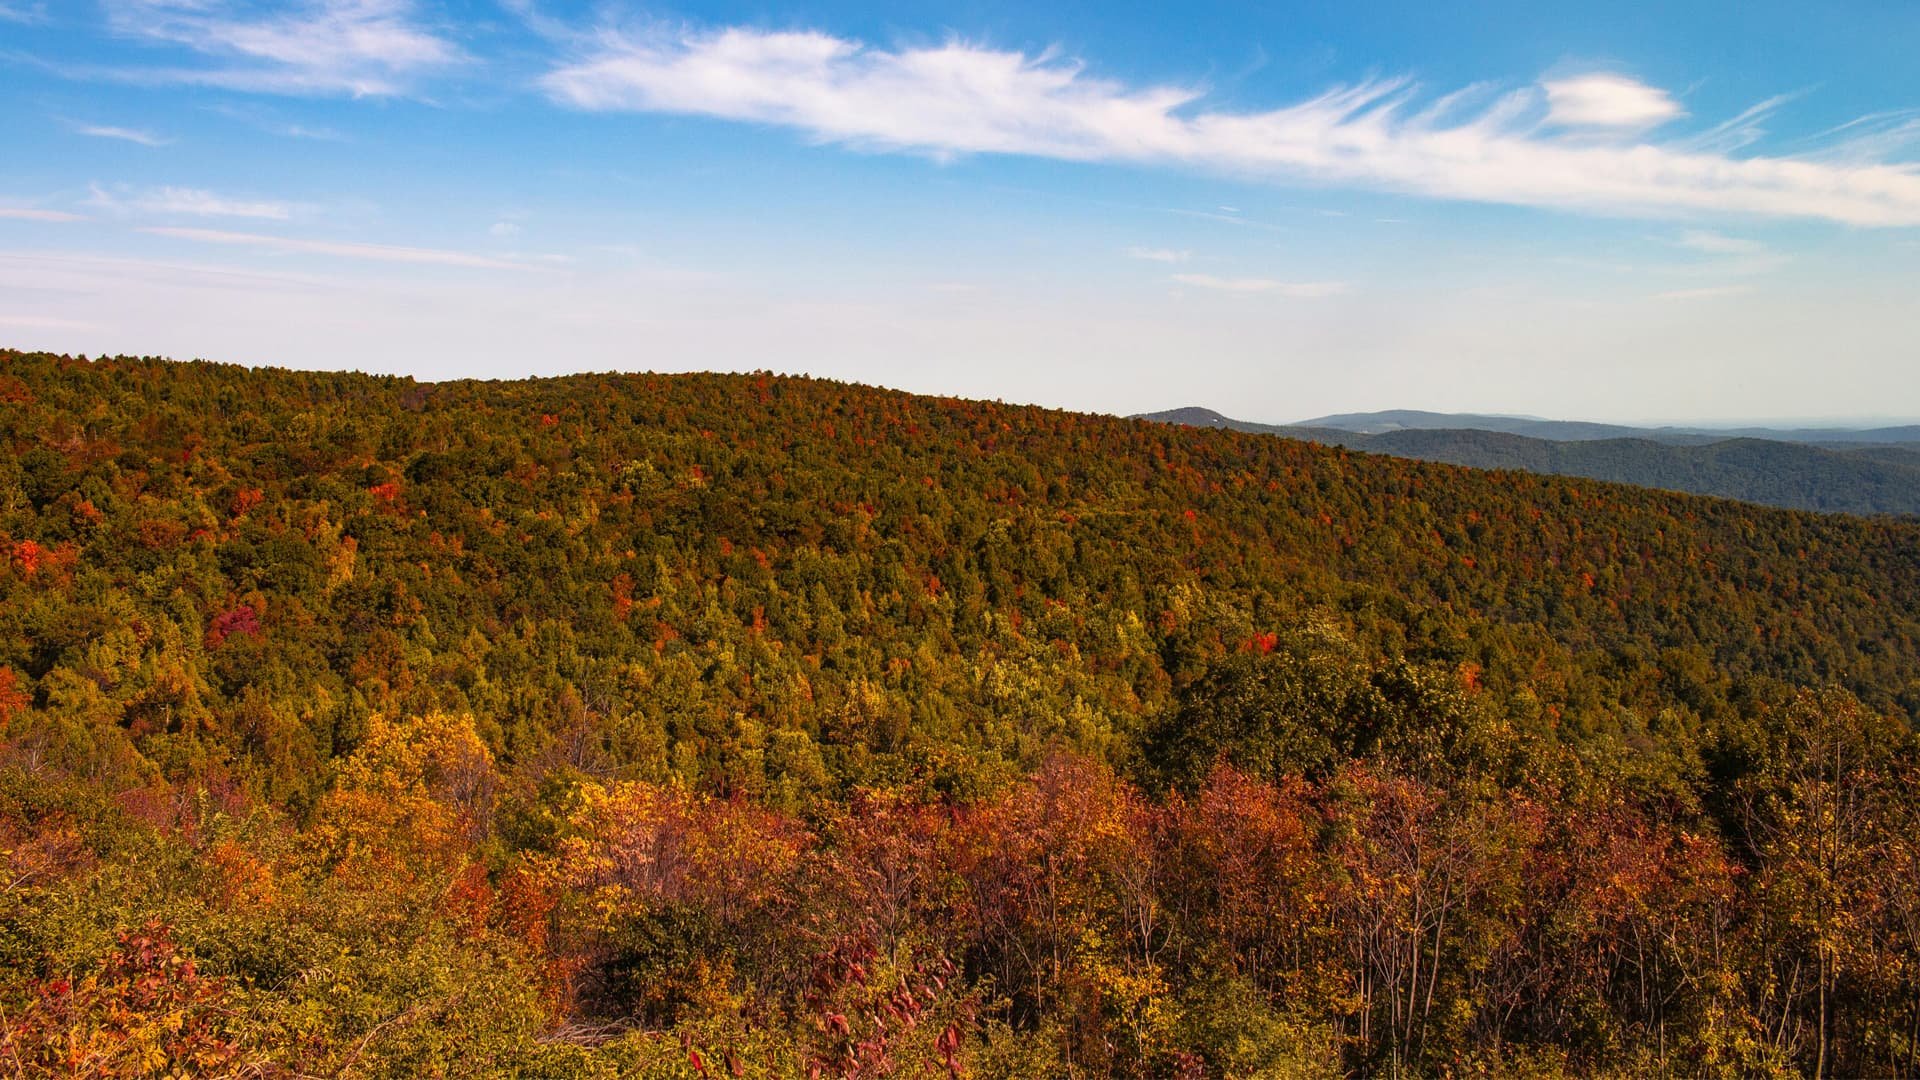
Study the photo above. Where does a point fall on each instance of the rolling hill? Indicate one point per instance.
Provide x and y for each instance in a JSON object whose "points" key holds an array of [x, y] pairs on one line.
{"points": [[1376, 423], [699, 725], [1845, 472]]}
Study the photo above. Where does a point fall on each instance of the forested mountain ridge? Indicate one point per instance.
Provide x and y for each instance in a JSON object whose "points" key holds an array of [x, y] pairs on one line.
{"points": [[1392, 420], [1859, 481], [329, 639], [1842, 475]]}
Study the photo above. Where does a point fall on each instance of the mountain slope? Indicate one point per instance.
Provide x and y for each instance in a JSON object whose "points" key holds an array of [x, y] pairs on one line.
{"points": [[1837, 477], [1377, 423], [755, 726], [672, 522], [1196, 416], [1752, 470]]}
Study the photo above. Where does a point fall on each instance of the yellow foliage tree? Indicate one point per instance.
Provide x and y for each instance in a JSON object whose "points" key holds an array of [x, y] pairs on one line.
{"points": [[410, 803]]}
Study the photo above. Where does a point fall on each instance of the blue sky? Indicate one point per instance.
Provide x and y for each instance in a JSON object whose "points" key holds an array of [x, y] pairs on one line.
{"points": [[1278, 210]]}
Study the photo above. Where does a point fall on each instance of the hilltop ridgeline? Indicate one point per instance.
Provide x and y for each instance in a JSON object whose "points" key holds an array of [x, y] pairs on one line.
{"points": [[1855, 471]]}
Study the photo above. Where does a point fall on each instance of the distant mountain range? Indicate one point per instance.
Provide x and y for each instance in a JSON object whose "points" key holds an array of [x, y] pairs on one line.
{"points": [[1845, 470]]}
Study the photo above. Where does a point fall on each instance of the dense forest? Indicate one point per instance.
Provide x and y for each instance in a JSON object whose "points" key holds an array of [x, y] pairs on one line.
{"points": [[1845, 472], [750, 726], [1862, 480], [1829, 434]]}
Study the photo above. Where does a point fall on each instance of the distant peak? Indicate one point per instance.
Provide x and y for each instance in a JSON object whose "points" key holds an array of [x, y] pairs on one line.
{"points": [[1190, 415]]}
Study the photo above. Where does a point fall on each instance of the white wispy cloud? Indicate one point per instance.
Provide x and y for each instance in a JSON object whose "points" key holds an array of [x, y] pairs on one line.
{"points": [[34, 213], [1711, 292], [193, 202], [132, 135], [1729, 256], [503, 229], [358, 47], [1478, 145], [23, 13], [272, 123], [1231, 217], [339, 249], [1607, 101], [1714, 243], [1297, 289], [1165, 255], [41, 322], [1894, 134], [1741, 131], [53, 266]]}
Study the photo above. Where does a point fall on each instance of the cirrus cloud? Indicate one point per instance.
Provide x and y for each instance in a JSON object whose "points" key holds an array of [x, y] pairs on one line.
{"points": [[366, 48], [124, 134], [34, 213], [1305, 290], [1710, 292], [1714, 243], [339, 249], [190, 202], [1165, 255], [1533, 146]]}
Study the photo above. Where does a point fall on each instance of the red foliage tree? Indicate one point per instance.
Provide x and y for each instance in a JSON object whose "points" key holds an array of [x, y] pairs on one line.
{"points": [[146, 1011]]}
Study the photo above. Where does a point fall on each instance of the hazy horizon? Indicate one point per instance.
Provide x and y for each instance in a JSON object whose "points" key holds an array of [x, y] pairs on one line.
{"points": [[1849, 423]]}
